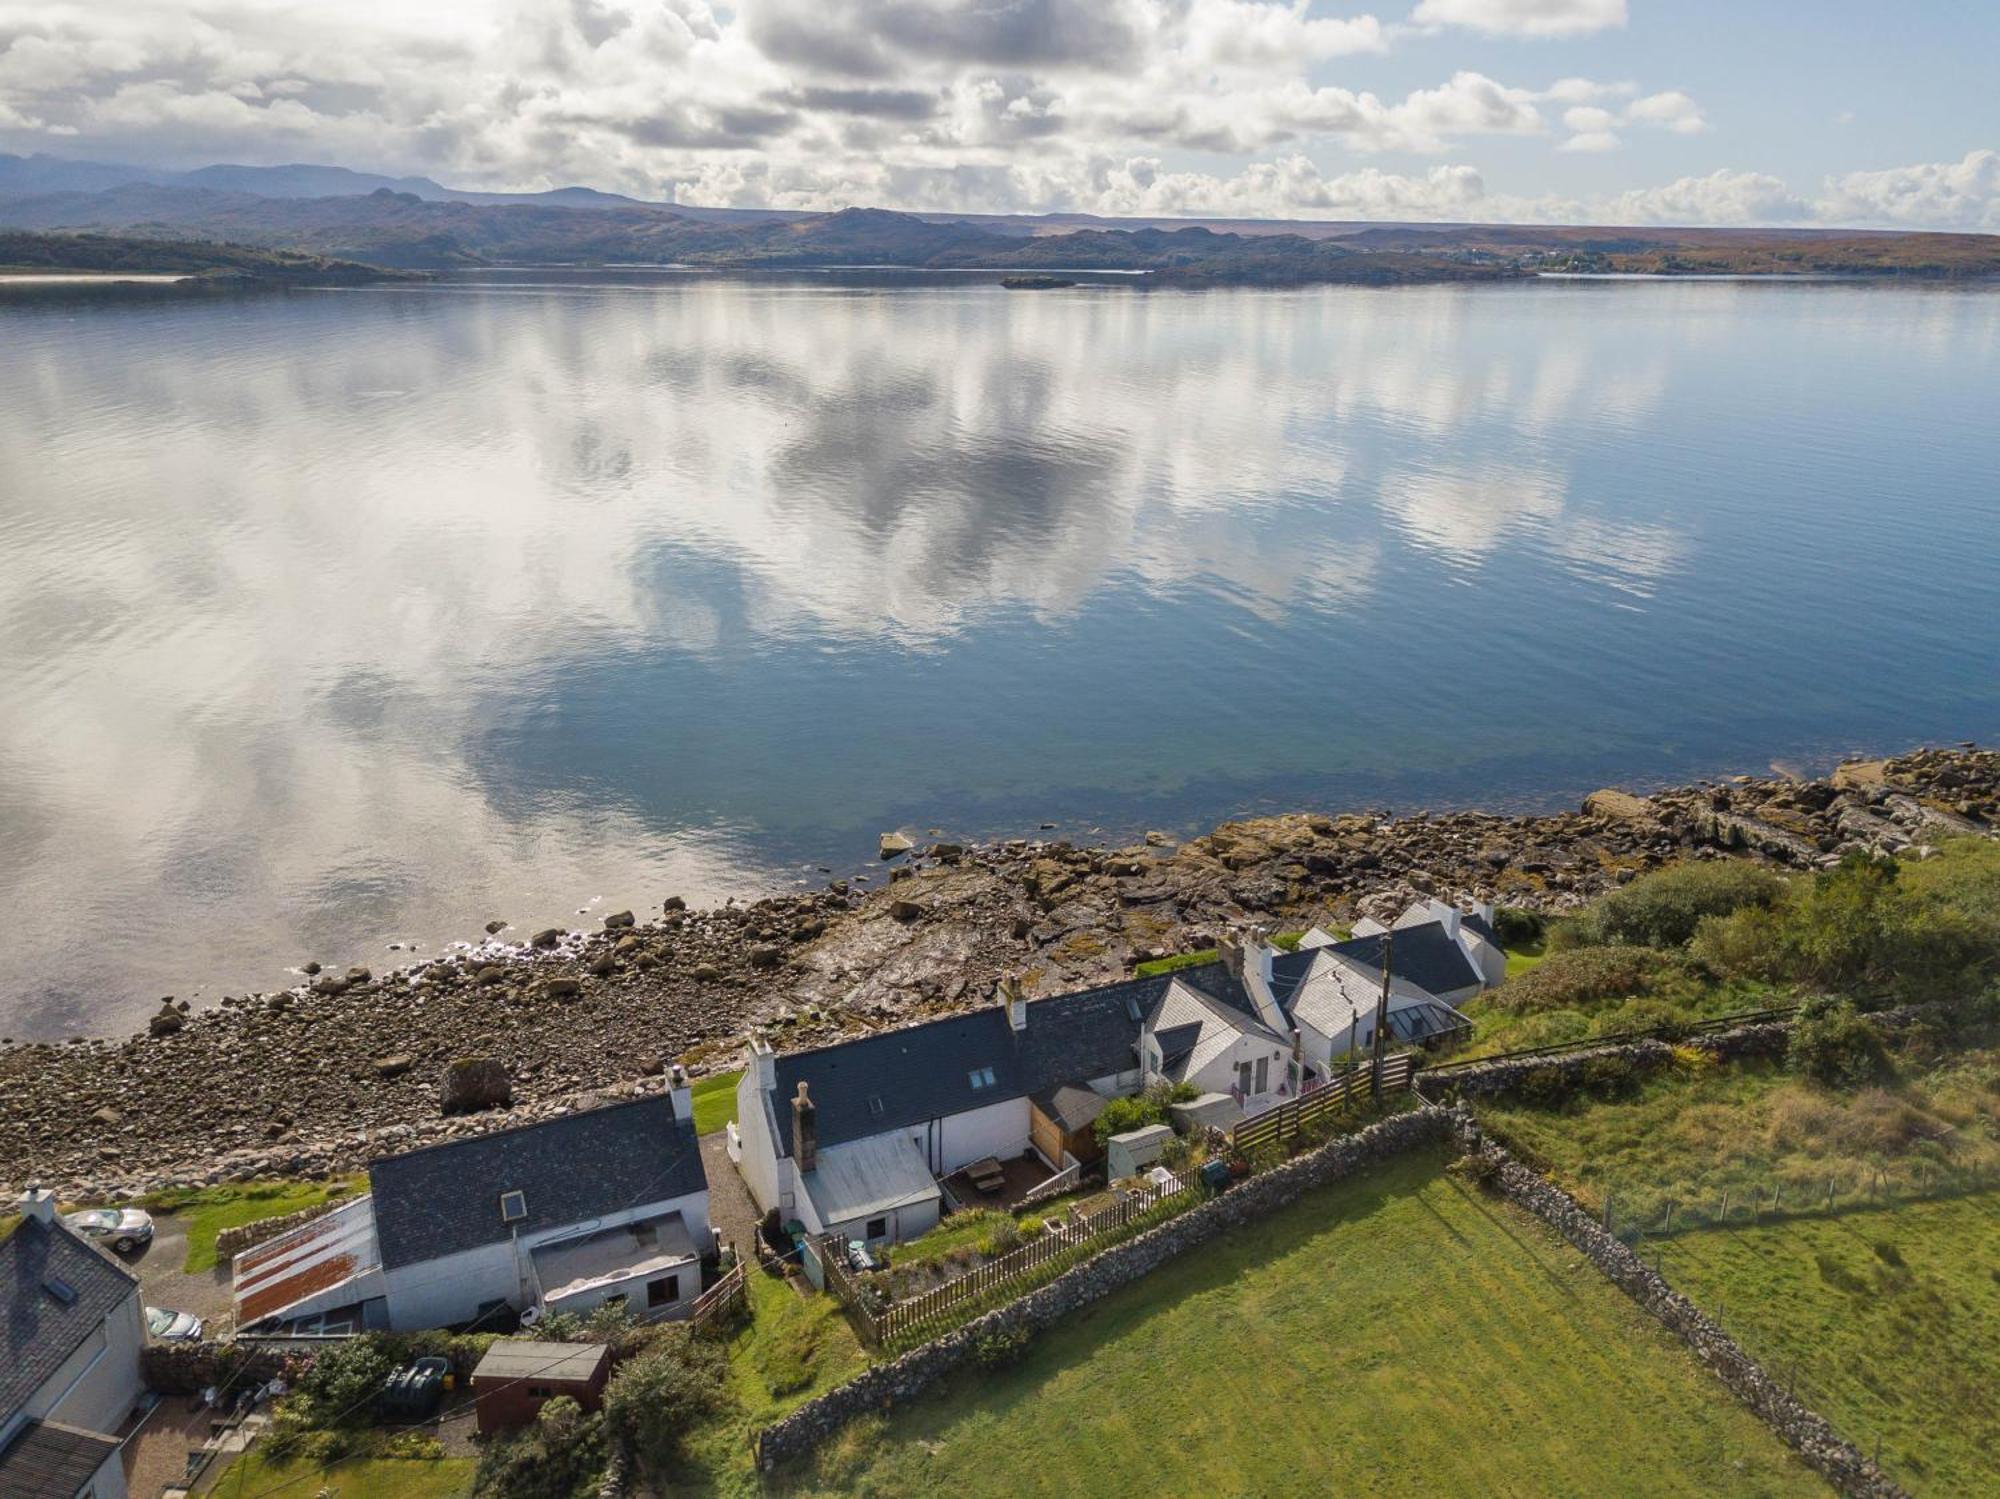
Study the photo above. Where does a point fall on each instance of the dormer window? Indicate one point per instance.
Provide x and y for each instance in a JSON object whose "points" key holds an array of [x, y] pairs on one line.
{"points": [[981, 1077], [513, 1206], [875, 1104]]}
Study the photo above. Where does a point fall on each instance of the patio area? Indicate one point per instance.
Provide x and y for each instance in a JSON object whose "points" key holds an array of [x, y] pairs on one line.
{"points": [[1020, 1175]]}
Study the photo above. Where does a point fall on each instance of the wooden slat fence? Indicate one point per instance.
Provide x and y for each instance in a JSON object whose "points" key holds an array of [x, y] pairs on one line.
{"points": [[1063, 1181], [902, 1321], [721, 1300], [1279, 1124]]}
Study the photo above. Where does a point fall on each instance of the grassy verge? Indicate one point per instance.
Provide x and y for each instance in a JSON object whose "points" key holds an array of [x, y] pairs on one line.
{"points": [[1400, 1334], [1692, 1134], [207, 1211], [715, 1102], [1891, 1318], [789, 1350], [1289, 941], [364, 1478]]}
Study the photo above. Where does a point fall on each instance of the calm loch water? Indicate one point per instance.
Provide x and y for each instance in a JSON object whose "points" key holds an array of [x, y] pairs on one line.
{"points": [[342, 619]]}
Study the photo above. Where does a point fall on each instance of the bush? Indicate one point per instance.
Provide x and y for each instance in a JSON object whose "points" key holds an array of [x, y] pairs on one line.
{"points": [[655, 1400], [1136, 1111], [998, 1349], [339, 1387], [561, 1455], [1834, 1044], [1579, 977], [1664, 908], [1476, 1169], [1516, 926]]}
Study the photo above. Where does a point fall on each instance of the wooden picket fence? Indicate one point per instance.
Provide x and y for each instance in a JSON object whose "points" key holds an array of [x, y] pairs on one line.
{"points": [[1295, 1115], [901, 1322]]}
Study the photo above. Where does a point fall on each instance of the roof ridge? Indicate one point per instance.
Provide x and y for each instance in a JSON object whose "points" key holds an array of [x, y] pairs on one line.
{"points": [[526, 1125]]}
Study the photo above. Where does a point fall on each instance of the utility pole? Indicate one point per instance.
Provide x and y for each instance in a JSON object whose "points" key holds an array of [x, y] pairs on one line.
{"points": [[1382, 1013]]}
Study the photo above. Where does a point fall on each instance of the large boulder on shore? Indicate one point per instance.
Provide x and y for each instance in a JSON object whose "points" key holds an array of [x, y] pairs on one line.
{"points": [[475, 1083], [1618, 806], [892, 844]]}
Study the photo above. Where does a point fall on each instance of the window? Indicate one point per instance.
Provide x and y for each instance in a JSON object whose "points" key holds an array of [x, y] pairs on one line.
{"points": [[663, 1292], [1263, 1074], [645, 1233], [617, 1300], [513, 1206], [981, 1077], [875, 1104], [541, 1391], [878, 1228]]}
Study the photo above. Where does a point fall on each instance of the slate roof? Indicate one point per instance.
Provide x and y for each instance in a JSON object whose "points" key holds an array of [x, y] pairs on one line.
{"points": [[51, 1461], [923, 1072], [1071, 1105], [1473, 922], [37, 1331], [445, 1199], [1425, 955]]}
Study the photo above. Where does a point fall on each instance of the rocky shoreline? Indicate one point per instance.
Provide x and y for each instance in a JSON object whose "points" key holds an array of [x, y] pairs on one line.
{"points": [[319, 1078]]}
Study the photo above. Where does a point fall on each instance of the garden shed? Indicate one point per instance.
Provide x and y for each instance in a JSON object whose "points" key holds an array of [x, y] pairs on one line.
{"points": [[518, 1376], [1061, 1120], [1135, 1150]]}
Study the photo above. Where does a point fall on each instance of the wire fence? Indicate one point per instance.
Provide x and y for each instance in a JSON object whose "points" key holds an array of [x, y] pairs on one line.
{"points": [[1636, 1212]]}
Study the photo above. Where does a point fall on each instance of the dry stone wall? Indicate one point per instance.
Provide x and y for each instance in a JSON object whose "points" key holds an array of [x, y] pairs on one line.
{"points": [[886, 1386], [233, 1241], [1802, 1429]]}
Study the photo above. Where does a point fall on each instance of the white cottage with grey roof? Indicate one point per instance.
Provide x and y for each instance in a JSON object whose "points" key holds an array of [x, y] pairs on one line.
{"points": [[606, 1205], [71, 1329]]}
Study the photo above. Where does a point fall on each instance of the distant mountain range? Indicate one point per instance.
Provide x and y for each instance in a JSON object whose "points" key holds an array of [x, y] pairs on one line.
{"points": [[414, 223]]}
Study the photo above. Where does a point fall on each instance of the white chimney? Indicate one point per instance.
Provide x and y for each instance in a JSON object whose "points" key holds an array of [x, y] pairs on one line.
{"points": [[681, 1093], [38, 1204], [1256, 979], [765, 1061], [1017, 1006]]}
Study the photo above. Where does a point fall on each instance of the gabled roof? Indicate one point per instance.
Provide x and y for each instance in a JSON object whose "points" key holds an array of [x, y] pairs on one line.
{"points": [[51, 1461], [1336, 990], [445, 1199], [1425, 955], [1070, 1105], [924, 1072], [55, 1290], [1473, 922], [1186, 1010]]}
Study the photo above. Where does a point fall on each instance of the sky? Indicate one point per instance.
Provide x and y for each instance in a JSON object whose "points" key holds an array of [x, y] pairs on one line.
{"points": [[1847, 112]]}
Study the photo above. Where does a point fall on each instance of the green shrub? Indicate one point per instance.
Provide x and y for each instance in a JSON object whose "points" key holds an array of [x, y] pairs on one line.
{"points": [[1580, 977], [340, 1385], [562, 1455], [656, 1399], [997, 1349], [1136, 1111], [1516, 926], [1663, 909], [1833, 1043]]}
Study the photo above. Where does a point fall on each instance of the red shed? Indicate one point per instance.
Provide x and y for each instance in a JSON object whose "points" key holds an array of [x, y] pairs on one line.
{"points": [[517, 1377]]}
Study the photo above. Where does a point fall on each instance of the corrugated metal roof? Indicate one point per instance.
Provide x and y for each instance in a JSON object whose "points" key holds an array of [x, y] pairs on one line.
{"points": [[304, 1261], [54, 1292], [868, 1177]]}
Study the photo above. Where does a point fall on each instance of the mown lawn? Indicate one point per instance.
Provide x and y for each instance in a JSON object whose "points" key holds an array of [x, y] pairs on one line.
{"points": [[715, 1102], [364, 1478], [1893, 1319], [1402, 1334], [207, 1211]]}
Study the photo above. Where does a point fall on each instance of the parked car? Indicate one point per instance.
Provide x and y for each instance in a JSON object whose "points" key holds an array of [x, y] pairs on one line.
{"points": [[172, 1327], [124, 1229]]}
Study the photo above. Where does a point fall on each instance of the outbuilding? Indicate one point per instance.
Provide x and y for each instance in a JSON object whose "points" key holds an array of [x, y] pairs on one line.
{"points": [[518, 1377]]}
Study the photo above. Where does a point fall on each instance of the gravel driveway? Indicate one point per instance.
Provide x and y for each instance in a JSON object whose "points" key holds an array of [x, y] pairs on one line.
{"points": [[164, 1283]]}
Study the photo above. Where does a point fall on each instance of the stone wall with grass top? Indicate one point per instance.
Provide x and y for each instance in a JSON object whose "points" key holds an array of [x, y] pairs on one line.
{"points": [[1802, 1429], [888, 1385]]}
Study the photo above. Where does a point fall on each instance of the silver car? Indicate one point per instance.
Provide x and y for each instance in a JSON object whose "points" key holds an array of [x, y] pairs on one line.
{"points": [[123, 1229], [172, 1327]]}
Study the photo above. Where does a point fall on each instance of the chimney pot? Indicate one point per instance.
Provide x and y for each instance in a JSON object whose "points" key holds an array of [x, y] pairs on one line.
{"points": [[38, 1204]]}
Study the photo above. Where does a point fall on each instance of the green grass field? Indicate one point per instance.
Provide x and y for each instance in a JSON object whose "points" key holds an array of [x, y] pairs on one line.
{"points": [[715, 1102], [207, 1211], [1402, 1334], [1893, 1319], [364, 1478]]}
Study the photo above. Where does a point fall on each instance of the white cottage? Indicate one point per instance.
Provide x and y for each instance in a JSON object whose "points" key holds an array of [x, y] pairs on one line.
{"points": [[71, 1329], [606, 1205]]}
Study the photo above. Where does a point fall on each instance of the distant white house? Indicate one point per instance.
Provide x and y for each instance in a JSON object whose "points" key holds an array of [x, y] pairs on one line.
{"points": [[856, 1137], [1426, 934], [606, 1205], [71, 1329]]}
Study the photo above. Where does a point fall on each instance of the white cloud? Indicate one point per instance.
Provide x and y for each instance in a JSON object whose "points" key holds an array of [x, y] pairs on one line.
{"points": [[1596, 128], [1591, 141], [1722, 197], [1935, 195], [1672, 110], [1523, 17]]}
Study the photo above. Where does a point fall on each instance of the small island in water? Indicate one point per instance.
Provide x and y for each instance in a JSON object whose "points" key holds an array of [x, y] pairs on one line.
{"points": [[1035, 283]]}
